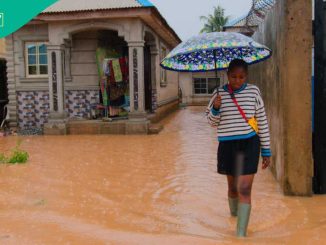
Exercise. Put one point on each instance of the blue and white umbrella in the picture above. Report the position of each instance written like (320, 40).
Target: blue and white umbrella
(214, 51)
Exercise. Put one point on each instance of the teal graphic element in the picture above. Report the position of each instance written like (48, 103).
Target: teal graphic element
(1, 20)
(15, 14)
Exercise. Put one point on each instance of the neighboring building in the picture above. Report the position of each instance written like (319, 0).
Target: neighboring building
(197, 87)
(240, 25)
(248, 24)
(52, 71)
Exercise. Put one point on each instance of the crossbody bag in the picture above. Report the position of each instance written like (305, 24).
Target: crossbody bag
(252, 121)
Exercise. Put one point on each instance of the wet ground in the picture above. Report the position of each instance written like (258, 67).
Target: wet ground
(158, 189)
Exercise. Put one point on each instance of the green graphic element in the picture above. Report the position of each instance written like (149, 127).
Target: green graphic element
(19, 12)
(1, 20)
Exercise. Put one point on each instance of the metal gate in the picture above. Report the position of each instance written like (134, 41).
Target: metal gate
(319, 115)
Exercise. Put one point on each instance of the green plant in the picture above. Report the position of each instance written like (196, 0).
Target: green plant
(17, 155)
(214, 22)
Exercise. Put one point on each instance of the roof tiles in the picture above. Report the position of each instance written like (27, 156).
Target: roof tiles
(88, 5)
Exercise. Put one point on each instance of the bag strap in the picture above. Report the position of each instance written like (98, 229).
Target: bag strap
(236, 103)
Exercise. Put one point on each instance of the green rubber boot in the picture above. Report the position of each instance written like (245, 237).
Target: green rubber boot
(243, 219)
(233, 204)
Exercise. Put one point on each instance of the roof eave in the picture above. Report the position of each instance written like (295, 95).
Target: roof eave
(158, 15)
(145, 13)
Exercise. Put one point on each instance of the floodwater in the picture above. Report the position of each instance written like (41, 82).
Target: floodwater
(158, 189)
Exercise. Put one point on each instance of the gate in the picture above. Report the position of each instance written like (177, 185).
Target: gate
(319, 115)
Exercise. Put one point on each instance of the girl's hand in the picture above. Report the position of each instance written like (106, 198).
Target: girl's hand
(217, 102)
(266, 162)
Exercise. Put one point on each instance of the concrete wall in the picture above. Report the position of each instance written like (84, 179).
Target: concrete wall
(168, 92)
(28, 33)
(83, 60)
(187, 86)
(16, 72)
(285, 82)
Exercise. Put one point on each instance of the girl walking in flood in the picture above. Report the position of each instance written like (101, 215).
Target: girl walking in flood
(237, 110)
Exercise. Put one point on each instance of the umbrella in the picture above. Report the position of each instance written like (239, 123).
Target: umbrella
(214, 51)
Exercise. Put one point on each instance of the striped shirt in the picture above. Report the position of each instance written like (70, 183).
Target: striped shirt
(230, 123)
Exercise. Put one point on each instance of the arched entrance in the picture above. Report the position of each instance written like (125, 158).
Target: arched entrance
(92, 86)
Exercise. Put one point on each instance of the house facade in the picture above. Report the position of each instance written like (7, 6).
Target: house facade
(197, 87)
(240, 25)
(53, 70)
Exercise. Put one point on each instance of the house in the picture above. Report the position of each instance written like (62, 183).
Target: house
(248, 24)
(54, 77)
(241, 25)
(197, 87)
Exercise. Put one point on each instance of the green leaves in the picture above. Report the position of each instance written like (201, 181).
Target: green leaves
(215, 22)
(17, 156)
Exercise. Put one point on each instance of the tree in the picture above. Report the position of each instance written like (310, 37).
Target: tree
(216, 21)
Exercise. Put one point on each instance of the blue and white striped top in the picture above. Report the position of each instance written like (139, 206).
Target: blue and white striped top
(230, 123)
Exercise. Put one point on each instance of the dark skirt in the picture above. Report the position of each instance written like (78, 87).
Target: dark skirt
(238, 157)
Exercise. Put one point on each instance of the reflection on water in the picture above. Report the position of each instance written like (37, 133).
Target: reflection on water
(157, 189)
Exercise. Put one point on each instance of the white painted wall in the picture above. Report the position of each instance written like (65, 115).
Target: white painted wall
(187, 87)
(28, 33)
(169, 92)
(83, 60)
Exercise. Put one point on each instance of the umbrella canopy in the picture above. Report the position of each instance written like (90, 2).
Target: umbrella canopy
(214, 51)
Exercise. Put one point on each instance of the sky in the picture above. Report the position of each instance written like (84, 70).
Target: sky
(183, 15)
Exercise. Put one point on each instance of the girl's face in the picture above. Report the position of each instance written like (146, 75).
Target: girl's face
(237, 76)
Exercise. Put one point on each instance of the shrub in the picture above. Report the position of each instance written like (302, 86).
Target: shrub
(17, 156)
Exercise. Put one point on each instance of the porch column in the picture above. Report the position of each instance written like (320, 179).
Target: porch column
(155, 63)
(56, 82)
(136, 79)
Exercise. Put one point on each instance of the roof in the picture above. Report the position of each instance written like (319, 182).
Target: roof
(87, 5)
(258, 5)
(78, 9)
(240, 21)
(262, 4)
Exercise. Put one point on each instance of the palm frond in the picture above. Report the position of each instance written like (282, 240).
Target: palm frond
(216, 21)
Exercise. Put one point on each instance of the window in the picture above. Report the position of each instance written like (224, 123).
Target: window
(205, 86)
(36, 59)
(163, 71)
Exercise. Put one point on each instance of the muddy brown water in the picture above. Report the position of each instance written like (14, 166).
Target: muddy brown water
(158, 189)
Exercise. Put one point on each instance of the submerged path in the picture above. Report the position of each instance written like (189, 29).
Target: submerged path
(157, 189)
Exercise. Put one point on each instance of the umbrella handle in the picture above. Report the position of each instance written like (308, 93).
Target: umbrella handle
(215, 61)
